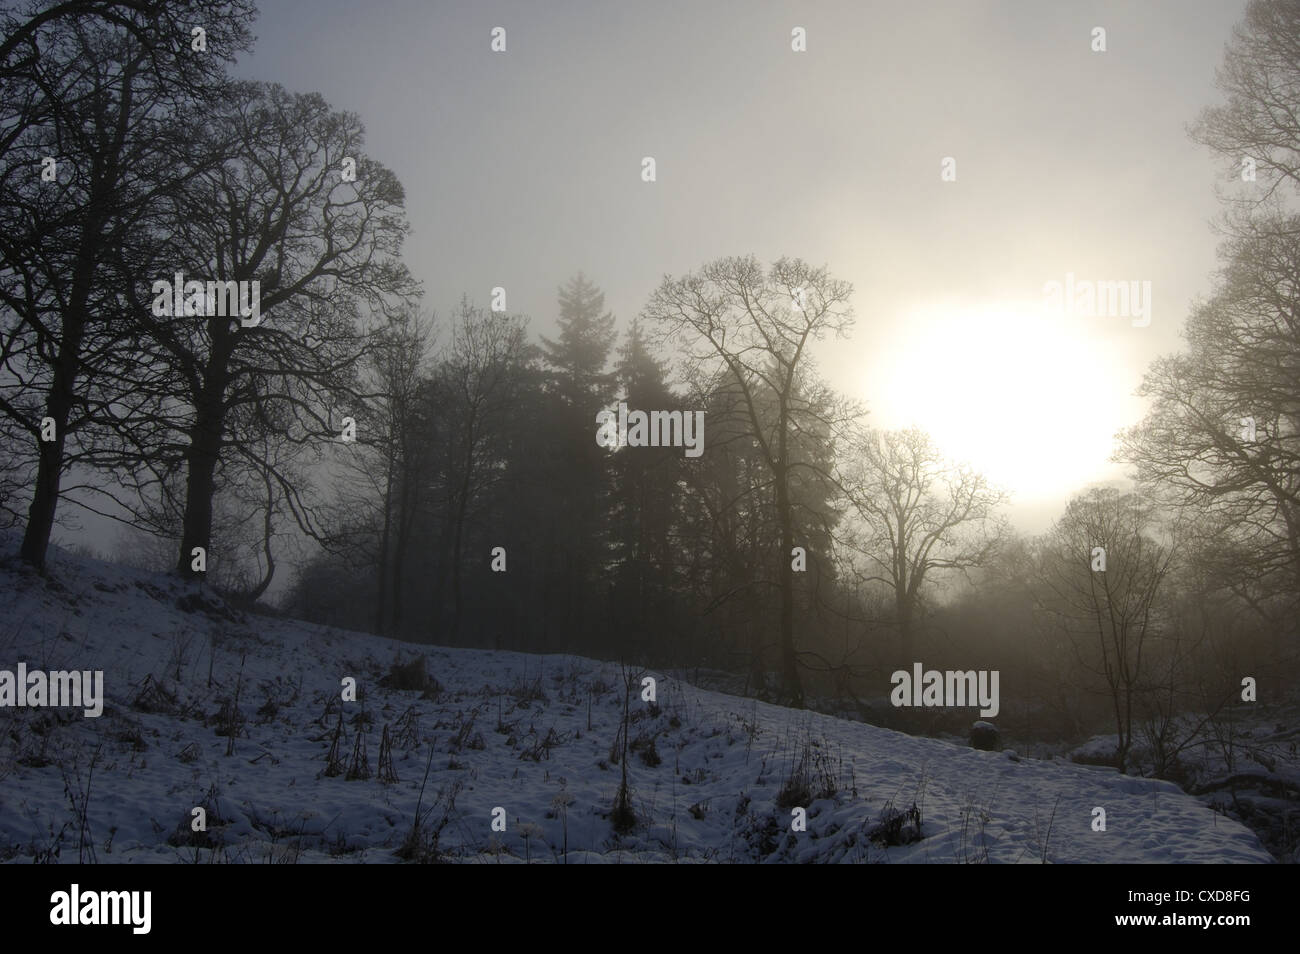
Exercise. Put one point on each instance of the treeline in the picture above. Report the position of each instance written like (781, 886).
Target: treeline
(476, 506)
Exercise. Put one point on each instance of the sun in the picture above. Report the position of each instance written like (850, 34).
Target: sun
(1030, 399)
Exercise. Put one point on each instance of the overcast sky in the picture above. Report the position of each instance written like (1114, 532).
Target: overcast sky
(523, 167)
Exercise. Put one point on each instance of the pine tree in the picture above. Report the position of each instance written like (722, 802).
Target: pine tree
(643, 505)
(580, 386)
(581, 354)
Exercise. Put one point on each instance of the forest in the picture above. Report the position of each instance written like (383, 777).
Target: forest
(356, 457)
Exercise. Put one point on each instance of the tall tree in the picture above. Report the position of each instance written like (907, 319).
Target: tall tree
(385, 468)
(479, 387)
(643, 505)
(95, 96)
(758, 326)
(282, 209)
(580, 386)
(1222, 437)
(1222, 440)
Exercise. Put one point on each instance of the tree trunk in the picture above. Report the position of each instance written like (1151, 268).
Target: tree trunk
(383, 552)
(906, 637)
(268, 530)
(462, 505)
(58, 406)
(789, 663)
(405, 514)
(104, 175)
(201, 482)
(49, 468)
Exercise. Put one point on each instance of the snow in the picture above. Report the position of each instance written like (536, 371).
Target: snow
(528, 734)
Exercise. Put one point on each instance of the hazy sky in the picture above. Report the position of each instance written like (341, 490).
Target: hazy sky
(523, 167)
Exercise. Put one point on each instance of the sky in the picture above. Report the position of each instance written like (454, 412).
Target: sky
(523, 167)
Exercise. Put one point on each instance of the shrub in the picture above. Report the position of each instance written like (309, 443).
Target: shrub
(411, 677)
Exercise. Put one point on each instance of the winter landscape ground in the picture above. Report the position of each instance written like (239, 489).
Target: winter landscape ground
(237, 714)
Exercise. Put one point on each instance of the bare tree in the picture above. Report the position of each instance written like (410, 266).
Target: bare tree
(100, 90)
(1222, 438)
(758, 325)
(281, 209)
(1102, 572)
(1260, 123)
(917, 514)
(394, 451)
(479, 382)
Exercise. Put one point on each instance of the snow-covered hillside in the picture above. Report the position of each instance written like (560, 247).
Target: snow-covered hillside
(712, 777)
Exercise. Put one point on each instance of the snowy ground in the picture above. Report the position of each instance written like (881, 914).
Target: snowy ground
(1243, 761)
(712, 777)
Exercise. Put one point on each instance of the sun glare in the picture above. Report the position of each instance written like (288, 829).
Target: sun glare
(1029, 398)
